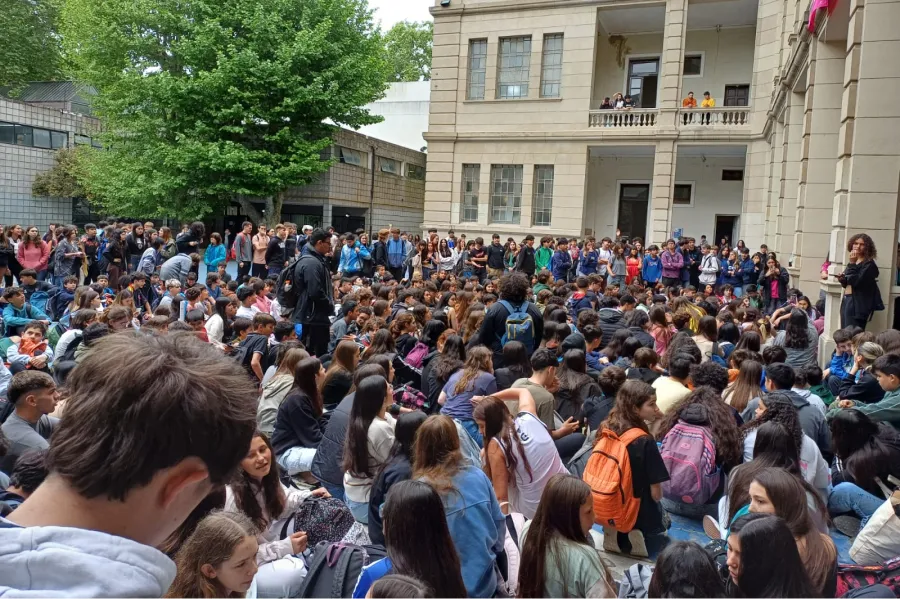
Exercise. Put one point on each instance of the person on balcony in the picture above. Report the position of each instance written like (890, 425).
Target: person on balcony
(618, 101)
(607, 105)
(708, 102)
(689, 102)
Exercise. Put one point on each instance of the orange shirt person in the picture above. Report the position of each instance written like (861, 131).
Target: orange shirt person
(690, 101)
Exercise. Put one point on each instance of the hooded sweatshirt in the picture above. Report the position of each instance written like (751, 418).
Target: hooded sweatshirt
(273, 394)
(812, 420)
(56, 561)
(886, 410)
(611, 320)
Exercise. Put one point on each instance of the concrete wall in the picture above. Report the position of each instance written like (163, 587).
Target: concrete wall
(19, 165)
(405, 111)
(712, 196)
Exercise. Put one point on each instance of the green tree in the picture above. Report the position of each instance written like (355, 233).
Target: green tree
(29, 44)
(62, 180)
(208, 101)
(408, 46)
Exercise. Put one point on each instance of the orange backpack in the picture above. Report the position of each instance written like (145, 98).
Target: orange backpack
(608, 472)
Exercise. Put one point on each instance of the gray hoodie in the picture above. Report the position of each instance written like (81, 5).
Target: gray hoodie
(55, 561)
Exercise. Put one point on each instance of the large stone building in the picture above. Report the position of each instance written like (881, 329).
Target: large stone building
(801, 151)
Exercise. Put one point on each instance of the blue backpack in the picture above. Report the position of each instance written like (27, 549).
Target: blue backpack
(519, 326)
(41, 301)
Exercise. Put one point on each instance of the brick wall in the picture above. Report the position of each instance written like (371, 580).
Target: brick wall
(19, 165)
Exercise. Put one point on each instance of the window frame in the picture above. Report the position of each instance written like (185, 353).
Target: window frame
(556, 69)
(417, 168)
(732, 179)
(735, 86)
(29, 132)
(395, 170)
(466, 198)
(523, 70)
(545, 198)
(692, 186)
(482, 57)
(702, 56)
(363, 162)
(511, 199)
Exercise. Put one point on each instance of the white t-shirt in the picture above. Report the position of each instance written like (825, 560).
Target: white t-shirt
(813, 466)
(540, 451)
(380, 441)
(248, 313)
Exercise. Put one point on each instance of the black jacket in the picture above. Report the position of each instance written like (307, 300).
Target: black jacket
(506, 377)
(315, 301)
(765, 284)
(379, 254)
(296, 424)
(134, 245)
(276, 253)
(494, 327)
(525, 260)
(495, 256)
(611, 320)
(643, 336)
(397, 470)
(326, 465)
(431, 385)
(867, 390)
(863, 278)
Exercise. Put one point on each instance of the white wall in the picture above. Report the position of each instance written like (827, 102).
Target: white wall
(405, 111)
(712, 196)
(727, 60)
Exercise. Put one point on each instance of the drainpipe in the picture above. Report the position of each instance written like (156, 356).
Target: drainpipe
(372, 198)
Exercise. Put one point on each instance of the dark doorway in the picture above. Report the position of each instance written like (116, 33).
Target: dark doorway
(634, 202)
(726, 225)
(345, 223)
(643, 79)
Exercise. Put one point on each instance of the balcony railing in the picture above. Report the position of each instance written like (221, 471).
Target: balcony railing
(702, 118)
(623, 119)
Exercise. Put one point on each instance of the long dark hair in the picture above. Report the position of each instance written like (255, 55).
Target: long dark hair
(245, 488)
(516, 360)
(746, 387)
(404, 436)
(382, 343)
(722, 426)
(857, 442)
(305, 380)
(499, 425)
(614, 347)
(418, 539)
(451, 358)
(432, 332)
(770, 562)
(796, 335)
(222, 303)
(557, 521)
(624, 415)
(750, 340)
(367, 403)
(684, 569)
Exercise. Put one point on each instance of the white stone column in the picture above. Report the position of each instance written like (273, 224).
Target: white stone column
(661, 192)
(790, 175)
(671, 65)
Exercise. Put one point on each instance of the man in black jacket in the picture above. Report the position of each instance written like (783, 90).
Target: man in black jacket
(513, 289)
(525, 260)
(495, 258)
(315, 299)
(134, 246)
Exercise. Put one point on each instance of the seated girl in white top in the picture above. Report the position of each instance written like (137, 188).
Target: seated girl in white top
(521, 456)
(259, 494)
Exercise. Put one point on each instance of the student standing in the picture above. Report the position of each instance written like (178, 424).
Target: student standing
(315, 298)
(526, 261)
(243, 250)
(672, 263)
(860, 283)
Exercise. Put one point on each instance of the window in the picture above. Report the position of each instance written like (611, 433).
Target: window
(349, 156)
(515, 59)
(477, 68)
(732, 174)
(387, 165)
(82, 140)
(551, 71)
(737, 95)
(58, 140)
(683, 195)
(24, 136)
(542, 202)
(471, 176)
(7, 133)
(693, 65)
(506, 193)
(41, 138)
(416, 172)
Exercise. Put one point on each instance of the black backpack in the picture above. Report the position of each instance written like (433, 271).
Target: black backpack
(336, 567)
(285, 292)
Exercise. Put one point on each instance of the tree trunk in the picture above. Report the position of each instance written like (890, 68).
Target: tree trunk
(273, 208)
(248, 209)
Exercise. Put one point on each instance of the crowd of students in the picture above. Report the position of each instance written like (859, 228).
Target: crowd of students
(482, 419)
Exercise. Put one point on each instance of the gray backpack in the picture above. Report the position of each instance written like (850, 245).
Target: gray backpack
(635, 582)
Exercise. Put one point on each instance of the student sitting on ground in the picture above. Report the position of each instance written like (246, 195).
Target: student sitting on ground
(33, 396)
(19, 313)
(27, 475)
(119, 486)
(30, 351)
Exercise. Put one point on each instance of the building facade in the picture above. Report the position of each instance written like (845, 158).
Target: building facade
(404, 109)
(800, 151)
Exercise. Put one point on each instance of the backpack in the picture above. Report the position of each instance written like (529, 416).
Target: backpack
(608, 473)
(578, 462)
(323, 519)
(851, 577)
(417, 354)
(285, 293)
(689, 453)
(635, 582)
(336, 567)
(411, 398)
(715, 358)
(519, 326)
(40, 300)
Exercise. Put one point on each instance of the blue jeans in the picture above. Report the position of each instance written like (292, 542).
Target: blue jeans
(336, 491)
(297, 459)
(848, 498)
(472, 428)
(617, 279)
(359, 510)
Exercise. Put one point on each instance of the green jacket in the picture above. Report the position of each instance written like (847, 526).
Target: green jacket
(542, 258)
(886, 410)
(824, 392)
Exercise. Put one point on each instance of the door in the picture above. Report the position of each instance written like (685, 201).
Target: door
(346, 223)
(726, 225)
(634, 203)
(643, 79)
(737, 95)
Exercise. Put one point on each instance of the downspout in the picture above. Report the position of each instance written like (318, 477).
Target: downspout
(372, 198)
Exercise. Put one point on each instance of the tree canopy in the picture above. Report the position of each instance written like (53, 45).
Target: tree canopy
(29, 44)
(408, 47)
(207, 101)
(61, 180)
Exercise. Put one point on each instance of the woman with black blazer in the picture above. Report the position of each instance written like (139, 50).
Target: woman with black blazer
(772, 283)
(860, 283)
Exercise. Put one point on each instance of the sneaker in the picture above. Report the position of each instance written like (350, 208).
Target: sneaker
(847, 525)
(711, 528)
(611, 540)
(638, 546)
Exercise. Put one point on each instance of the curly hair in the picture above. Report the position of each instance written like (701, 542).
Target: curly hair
(869, 251)
(779, 408)
(724, 429)
(514, 288)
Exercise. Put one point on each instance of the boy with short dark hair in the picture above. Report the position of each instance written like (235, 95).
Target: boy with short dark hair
(17, 313)
(29, 283)
(224, 277)
(33, 396)
(813, 375)
(255, 347)
(841, 361)
(30, 351)
(887, 370)
(141, 445)
(27, 475)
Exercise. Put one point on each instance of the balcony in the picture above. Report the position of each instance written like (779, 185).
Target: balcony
(714, 118)
(635, 118)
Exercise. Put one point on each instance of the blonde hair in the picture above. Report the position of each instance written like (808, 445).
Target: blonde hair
(870, 351)
(212, 542)
(479, 360)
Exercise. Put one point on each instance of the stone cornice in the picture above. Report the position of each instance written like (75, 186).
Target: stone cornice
(514, 5)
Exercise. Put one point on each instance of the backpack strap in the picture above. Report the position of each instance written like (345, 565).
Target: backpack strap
(340, 571)
(631, 435)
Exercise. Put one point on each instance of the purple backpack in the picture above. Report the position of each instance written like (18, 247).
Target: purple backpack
(417, 355)
(411, 398)
(689, 454)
